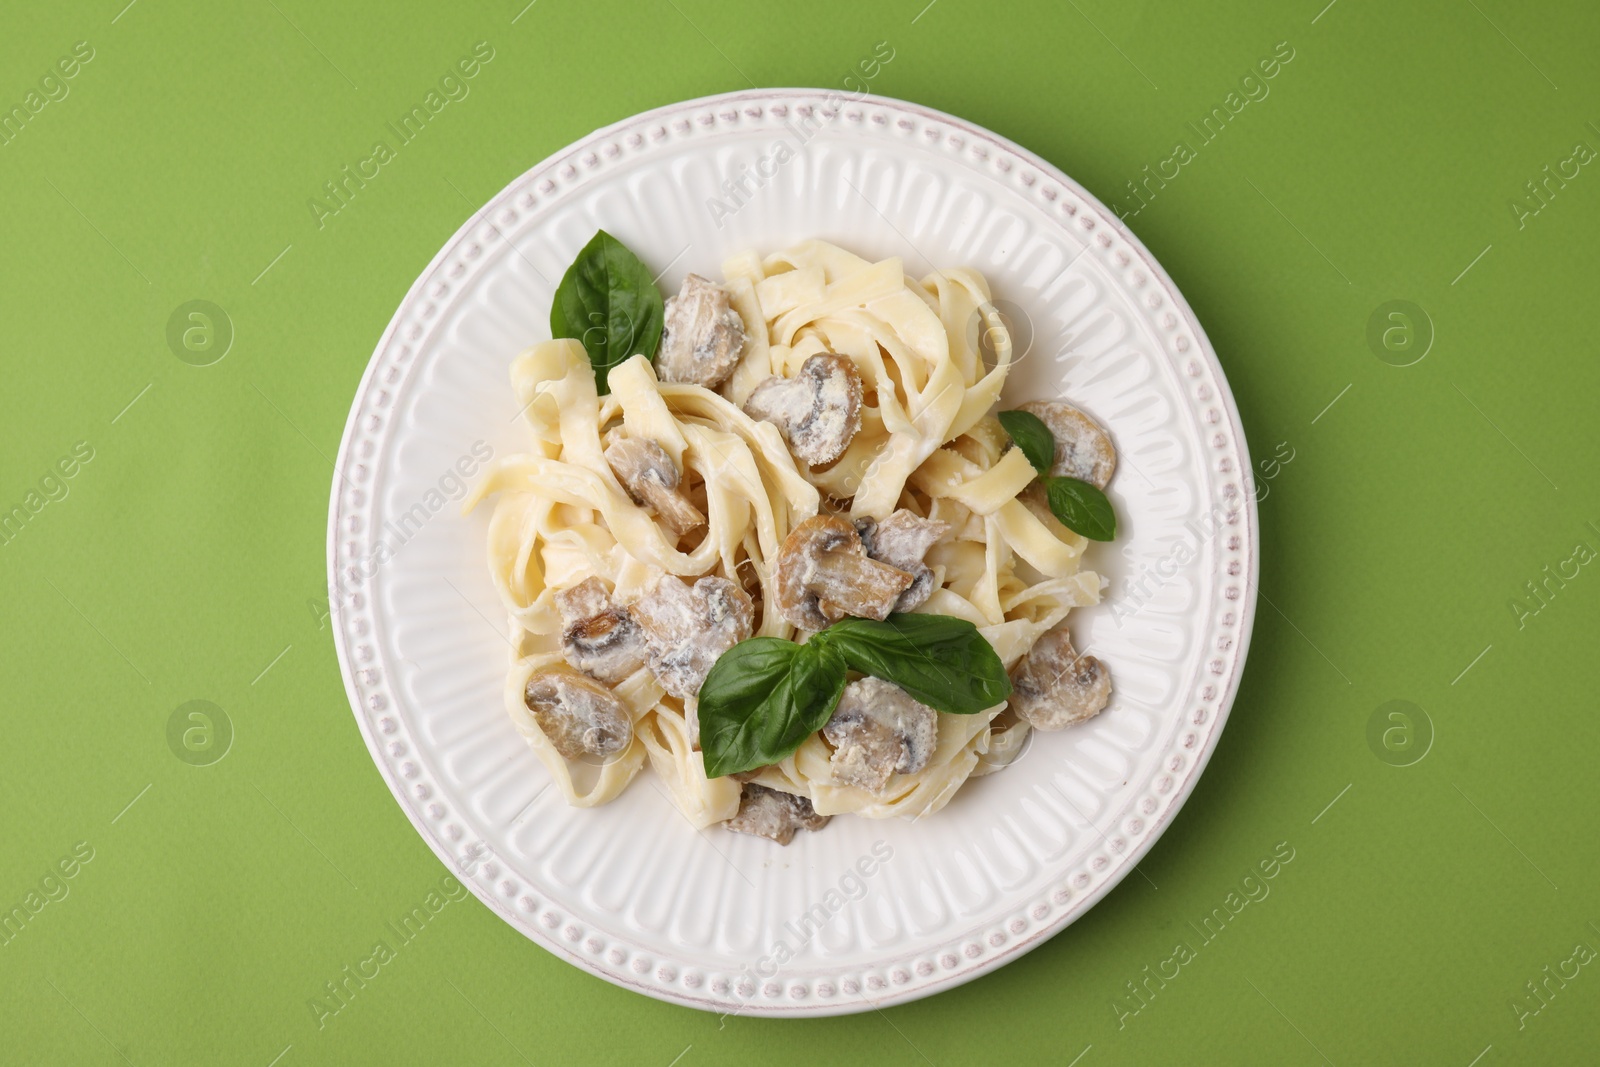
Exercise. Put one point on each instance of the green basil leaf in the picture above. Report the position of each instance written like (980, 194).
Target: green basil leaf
(1082, 508)
(608, 301)
(762, 698)
(942, 661)
(1032, 436)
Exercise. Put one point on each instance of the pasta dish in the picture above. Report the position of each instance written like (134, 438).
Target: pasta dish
(772, 538)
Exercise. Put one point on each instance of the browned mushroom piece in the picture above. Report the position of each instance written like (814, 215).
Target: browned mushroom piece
(824, 574)
(818, 411)
(597, 637)
(582, 718)
(685, 629)
(1054, 687)
(902, 540)
(774, 814)
(702, 336)
(1083, 450)
(878, 730)
(652, 480)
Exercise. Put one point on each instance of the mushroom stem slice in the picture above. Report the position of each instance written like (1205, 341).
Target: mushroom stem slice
(686, 630)
(1053, 687)
(879, 730)
(818, 411)
(902, 540)
(652, 480)
(824, 574)
(1083, 450)
(702, 336)
(773, 814)
(582, 719)
(597, 637)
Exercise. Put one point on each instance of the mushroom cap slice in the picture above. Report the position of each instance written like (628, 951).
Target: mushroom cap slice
(702, 336)
(878, 730)
(818, 411)
(582, 718)
(1053, 687)
(824, 574)
(686, 630)
(1083, 449)
(652, 480)
(902, 540)
(774, 814)
(597, 637)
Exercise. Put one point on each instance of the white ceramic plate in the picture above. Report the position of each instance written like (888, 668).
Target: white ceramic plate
(867, 912)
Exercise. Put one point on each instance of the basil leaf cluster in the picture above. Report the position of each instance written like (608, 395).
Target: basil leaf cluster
(1081, 506)
(765, 695)
(608, 301)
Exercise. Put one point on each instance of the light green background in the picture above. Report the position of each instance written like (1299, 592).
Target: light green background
(187, 555)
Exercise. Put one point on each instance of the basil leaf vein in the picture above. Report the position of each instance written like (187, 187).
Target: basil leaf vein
(1032, 436)
(608, 301)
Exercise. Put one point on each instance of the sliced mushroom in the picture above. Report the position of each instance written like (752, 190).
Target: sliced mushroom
(824, 574)
(702, 336)
(597, 637)
(818, 411)
(878, 730)
(685, 630)
(582, 718)
(1054, 687)
(1083, 450)
(902, 540)
(652, 480)
(774, 814)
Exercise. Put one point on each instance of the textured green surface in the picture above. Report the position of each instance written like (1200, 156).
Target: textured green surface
(187, 555)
